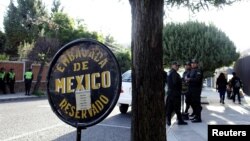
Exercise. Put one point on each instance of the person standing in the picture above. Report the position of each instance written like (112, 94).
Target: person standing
(165, 74)
(185, 90)
(11, 80)
(221, 86)
(173, 102)
(195, 81)
(236, 85)
(28, 77)
(3, 80)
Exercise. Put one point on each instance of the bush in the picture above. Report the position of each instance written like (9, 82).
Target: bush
(4, 57)
(39, 93)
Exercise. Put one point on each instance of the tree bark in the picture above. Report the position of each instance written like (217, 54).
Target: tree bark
(148, 111)
(39, 78)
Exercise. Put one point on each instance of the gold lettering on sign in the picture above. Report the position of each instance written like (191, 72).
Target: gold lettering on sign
(96, 107)
(70, 56)
(92, 81)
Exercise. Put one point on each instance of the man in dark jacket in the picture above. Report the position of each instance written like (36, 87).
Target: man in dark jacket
(3, 80)
(236, 84)
(173, 102)
(185, 90)
(195, 81)
(28, 77)
(11, 79)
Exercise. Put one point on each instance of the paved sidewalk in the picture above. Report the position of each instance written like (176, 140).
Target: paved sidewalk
(17, 96)
(213, 113)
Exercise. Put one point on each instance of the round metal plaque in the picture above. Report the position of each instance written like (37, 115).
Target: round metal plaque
(83, 83)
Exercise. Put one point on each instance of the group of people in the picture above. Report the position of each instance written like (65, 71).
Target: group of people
(233, 87)
(9, 79)
(190, 85)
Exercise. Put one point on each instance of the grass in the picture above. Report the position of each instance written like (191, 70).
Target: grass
(39, 93)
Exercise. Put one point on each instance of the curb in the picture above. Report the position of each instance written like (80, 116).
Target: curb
(11, 99)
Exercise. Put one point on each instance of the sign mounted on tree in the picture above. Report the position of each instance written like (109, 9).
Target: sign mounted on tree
(84, 82)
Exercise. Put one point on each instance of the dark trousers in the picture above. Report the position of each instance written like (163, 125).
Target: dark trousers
(222, 95)
(173, 104)
(28, 83)
(196, 101)
(188, 101)
(2, 86)
(11, 86)
(236, 92)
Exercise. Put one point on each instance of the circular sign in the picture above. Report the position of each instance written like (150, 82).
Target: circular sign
(83, 83)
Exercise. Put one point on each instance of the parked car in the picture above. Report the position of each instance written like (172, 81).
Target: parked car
(125, 99)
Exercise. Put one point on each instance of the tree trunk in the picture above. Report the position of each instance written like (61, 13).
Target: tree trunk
(39, 78)
(148, 111)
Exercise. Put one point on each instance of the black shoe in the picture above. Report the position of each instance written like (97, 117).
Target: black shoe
(182, 123)
(185, 113)
(191, 115)
(192, 118)
(185, 116)
(196, 120)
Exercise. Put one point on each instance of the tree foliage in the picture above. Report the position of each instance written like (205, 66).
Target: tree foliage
(208, 44)
(124, 60)
(44, 49)
(28, 20)
(2, 42)
(4, 57)
(123, 55)
(13, 29)
(19, 23)
(197, 5)
(24, 49)
(61, 27)
(65, 29)
(56, 6)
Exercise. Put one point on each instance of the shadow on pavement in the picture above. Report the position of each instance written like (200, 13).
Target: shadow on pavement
(111, 129)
